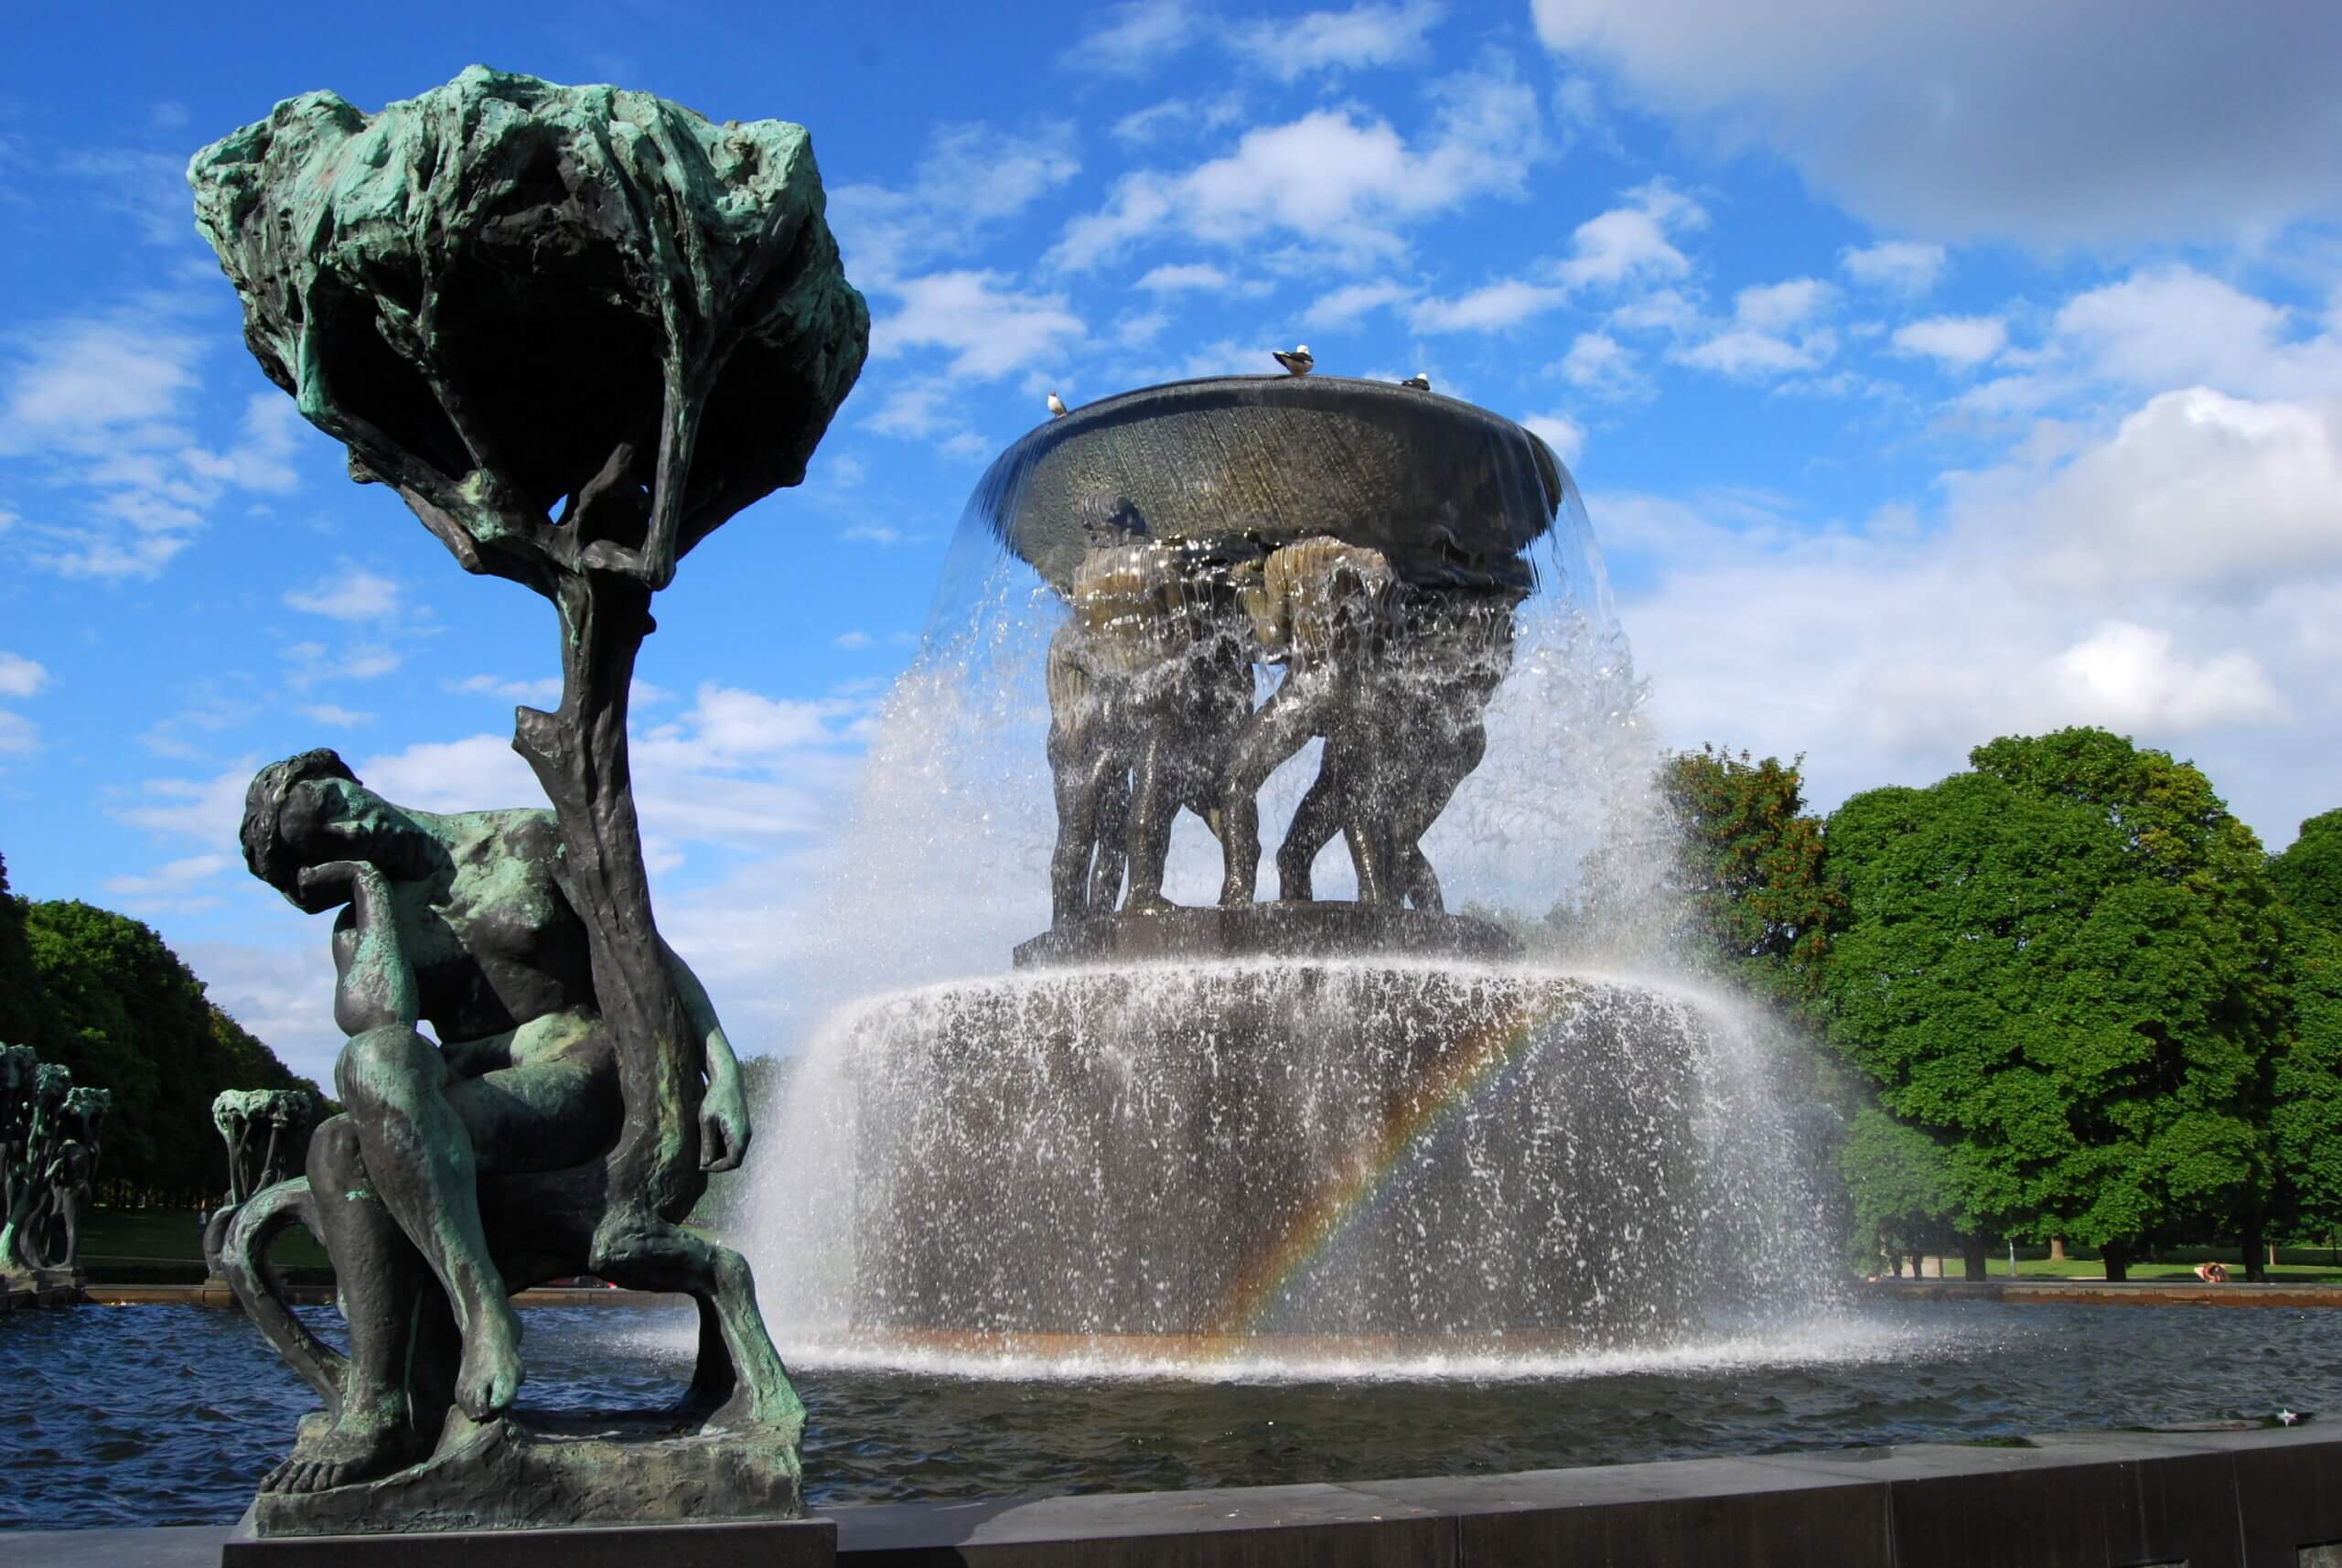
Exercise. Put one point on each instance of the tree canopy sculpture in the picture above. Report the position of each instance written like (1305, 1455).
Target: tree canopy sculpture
(576, 329)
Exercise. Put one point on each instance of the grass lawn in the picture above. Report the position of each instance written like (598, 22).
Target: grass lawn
(2302, 1266)
(172, 1233)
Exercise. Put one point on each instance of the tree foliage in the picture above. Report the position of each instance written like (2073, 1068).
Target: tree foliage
(2064, 967)
(1750, 867)
(101, 994)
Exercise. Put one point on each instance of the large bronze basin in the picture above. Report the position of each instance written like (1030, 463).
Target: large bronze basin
(1451, 493)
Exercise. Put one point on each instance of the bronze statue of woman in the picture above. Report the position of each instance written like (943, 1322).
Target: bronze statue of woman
(458, 921)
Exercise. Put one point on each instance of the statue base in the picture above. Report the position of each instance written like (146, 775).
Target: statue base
(41, 1287)
(1312, 930)
(554, 1470)
(767, 1544)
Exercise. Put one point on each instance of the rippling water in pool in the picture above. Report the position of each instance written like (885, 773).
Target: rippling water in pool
(170, 1415)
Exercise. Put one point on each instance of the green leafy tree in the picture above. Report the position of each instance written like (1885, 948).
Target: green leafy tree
(2309, 874)
(1904, 1199)
(2064, 967)
(2306, 1108)
(1750, 868)
(127, 1015)
(23, 1006)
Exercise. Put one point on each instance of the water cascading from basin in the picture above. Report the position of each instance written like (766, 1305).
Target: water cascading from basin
(1229, 1158)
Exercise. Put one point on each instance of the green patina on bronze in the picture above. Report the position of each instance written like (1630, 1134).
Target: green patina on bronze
(50, 1130)
(576, 329)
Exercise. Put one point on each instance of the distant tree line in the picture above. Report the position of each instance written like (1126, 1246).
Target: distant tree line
(100, 992)
(2062, 997)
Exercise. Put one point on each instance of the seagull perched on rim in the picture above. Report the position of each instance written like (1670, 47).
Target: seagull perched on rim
(1419, 380)
(1299, 361)
(2286, 1418)
(1056, 406)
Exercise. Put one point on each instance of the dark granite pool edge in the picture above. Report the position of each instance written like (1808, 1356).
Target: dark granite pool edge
(2250, 1499)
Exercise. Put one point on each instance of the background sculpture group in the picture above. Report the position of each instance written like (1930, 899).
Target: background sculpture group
(264, 1130)
(49, 1142)
(1151, 684)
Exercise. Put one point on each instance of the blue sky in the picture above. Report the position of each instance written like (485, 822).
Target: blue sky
(1931, 373)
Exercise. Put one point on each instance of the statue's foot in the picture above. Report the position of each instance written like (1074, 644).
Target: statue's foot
(1233, 897)
(356, 1449)
(489, 1375)
(1150, 904)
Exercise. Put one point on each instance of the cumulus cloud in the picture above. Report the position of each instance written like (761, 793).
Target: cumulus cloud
(1565, 435)
(2195, 490)
(2047, 124)
(2172, 325)
(1342, 180)
(1310, 45)
(1602, 365)
(1132, 39)
(972, 178)
(1633, 244)
(20, 676)
(988, 328)
(1900, 267)
(349, 594)
(1182, 277)
(104, 406)
(1489, 309)
(1956, 342)
(1772, 331)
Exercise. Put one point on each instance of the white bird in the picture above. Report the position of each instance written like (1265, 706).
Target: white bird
(1419, 380)
(1056, 406)
(1298, 361)
(2286, 1418)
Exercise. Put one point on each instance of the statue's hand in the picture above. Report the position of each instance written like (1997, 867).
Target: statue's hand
(723, 1129)
(336, 883)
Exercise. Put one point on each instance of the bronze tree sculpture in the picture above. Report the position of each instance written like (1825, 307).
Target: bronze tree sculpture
(575, 329)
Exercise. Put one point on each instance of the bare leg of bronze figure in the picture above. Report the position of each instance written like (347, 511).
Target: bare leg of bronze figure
(419, 1156)
(1075, 777)
(1154, 806)
(385, 1280)
(1279, 728)
(1113, 827)
(1316, 822)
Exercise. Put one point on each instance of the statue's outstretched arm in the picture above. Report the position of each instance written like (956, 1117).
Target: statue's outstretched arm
(723, 1125)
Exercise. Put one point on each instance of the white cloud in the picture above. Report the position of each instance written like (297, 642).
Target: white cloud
(2173, 326)
(169, 888)
(852, 639)
(334, 716)
(1344, 306)
(988, 329)
(19, 676)
(1142, 126)
(541, 694)
(1132, 39)
(1182, 277)
(18, 734)
(1957, 342)
(479, 772)
(1489, 309)
(1631, 244)
(1565, 435)
(349, 594)
(972, 177)
(1340, 181)
(2127, 677)
(1602, 365)
(2048, 124)
(1320, 41)
(2195, 490)
(101, 405)
(1771, 332)
(1901, 266)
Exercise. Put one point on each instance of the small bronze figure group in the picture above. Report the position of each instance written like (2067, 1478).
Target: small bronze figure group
(51, 1135)
(1151, 684)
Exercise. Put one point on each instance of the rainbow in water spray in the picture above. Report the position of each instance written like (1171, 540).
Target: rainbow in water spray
(1451, 1083)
